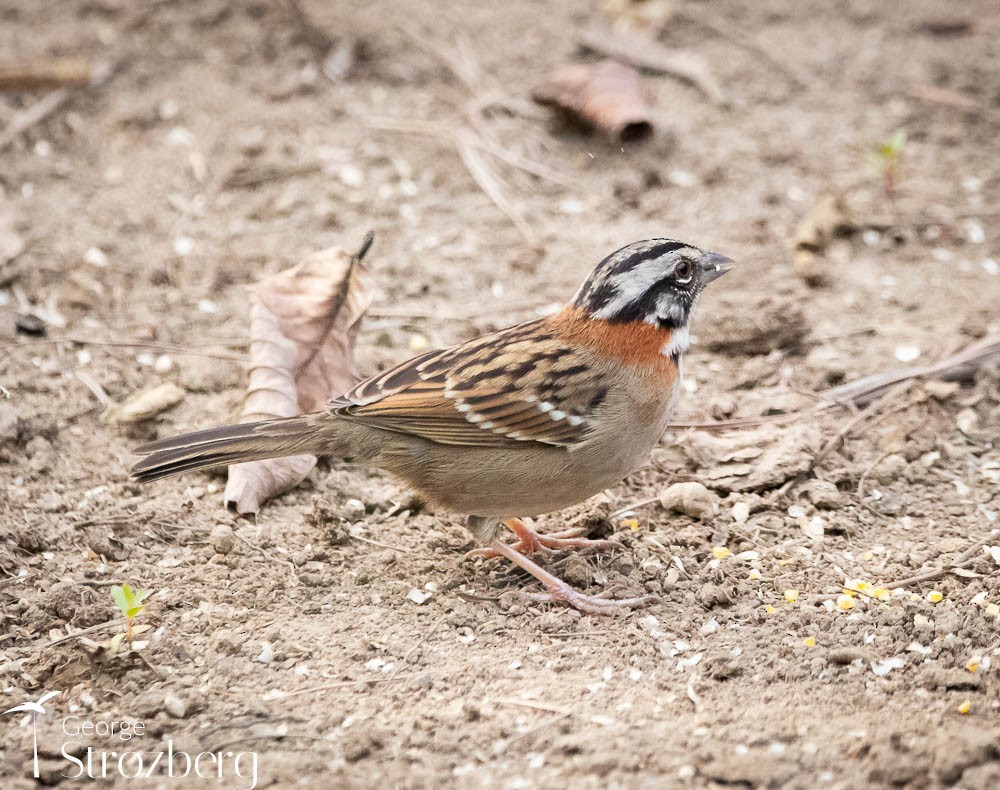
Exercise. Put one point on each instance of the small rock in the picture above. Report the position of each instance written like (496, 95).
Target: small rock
(222, 538)
(41, 455)
(889, 468)
(712, 595)
(578, 571)
(692, 499)
(847, 655)
(174, 705)
(11, 426)
(967, 421)
(418, 596)
(824, 494)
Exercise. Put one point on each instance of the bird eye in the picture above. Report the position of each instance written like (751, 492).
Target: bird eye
(683, 271)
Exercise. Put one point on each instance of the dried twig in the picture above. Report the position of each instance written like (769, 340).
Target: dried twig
(33, 115)
(83, 632)
(47, 105)
(861, 417)
(490, 183)
(533, 704)
(934, 94)
(475, 135)
(646, 53)
(730, 33)
(30, 75)
(967, 557)
(960, 366)
(366, 682)
(161, 347)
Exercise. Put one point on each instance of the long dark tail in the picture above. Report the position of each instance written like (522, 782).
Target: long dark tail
(251, 441)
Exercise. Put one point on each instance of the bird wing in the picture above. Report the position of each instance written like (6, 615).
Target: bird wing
(523, 384)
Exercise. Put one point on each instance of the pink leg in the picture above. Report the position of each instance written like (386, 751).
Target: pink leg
(560, 591)
(531, 542)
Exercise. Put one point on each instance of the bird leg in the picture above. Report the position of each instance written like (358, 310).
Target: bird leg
(531, 542)
(559, 591)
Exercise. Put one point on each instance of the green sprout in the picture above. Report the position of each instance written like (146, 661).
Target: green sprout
(130, 604)
(886, 158)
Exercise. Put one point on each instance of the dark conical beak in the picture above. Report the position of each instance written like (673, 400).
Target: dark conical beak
(714, 265)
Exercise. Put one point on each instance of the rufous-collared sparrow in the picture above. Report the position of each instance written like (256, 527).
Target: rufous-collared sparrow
(523, 421)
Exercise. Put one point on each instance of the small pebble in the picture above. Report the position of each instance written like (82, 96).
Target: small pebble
(222, 538)
(418, 596)
(95, 256)
(907, 353)
(692, 499)
(174, 705)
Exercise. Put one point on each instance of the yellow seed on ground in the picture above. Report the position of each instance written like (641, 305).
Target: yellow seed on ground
(809, 641)
(720, 552)
(881, 594)
(934, 596)
(845, 602)
(973, 664)
(992, 609)
(769, 609)
(631, 523)
(965, 707)
(868, 556)
(755, 575)
(791, 596)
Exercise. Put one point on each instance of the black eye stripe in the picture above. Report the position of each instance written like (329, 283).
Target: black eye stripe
(627, 262)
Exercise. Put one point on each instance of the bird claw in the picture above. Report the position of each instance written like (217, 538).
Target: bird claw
(591, 604)
(531, 542)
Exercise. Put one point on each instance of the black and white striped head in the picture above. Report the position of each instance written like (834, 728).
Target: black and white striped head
(655, 281)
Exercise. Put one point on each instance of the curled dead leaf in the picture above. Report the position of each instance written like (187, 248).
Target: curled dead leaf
(303, 323)
(606, 95)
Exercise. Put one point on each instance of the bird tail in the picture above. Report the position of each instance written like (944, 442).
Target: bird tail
(251, 441)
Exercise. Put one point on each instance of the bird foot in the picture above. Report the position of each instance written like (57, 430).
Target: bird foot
(591, 604)
(531, 542)
(558, 591)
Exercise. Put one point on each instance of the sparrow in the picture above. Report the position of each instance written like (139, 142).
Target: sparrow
(520, 422)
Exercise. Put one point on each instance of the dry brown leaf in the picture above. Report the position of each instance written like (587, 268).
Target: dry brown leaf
(303, 322)
(606, 95)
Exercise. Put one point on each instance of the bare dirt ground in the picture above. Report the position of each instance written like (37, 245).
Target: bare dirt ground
(216, 153)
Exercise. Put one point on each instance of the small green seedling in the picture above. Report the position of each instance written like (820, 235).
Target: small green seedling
(130, 604)
(886, 158)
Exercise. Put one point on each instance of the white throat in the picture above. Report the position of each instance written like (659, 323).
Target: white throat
(680, 339)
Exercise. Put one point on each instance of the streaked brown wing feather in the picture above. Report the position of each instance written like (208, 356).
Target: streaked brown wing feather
(519, 385)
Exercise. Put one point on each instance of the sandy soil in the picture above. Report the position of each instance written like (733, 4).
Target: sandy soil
(216, 153)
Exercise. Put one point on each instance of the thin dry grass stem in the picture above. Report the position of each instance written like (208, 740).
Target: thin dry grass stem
(491, 184)
(967, 557)
(731, 33)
